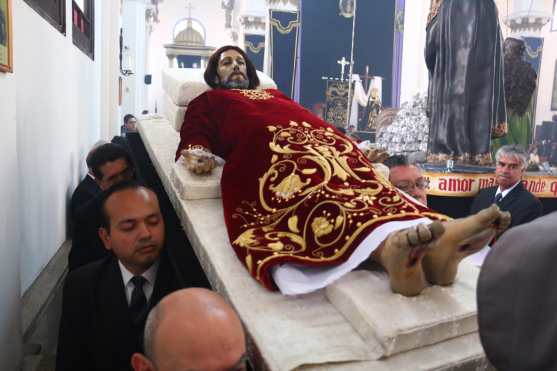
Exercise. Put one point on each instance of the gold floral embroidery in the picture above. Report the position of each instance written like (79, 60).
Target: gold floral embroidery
(255, 94)
(314, 192)
(289, 186)
(321, 226)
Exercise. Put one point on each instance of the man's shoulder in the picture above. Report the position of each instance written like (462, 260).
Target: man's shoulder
(90, 274)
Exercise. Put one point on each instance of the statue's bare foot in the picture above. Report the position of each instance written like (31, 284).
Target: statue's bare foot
(462, 237)
(401, 255)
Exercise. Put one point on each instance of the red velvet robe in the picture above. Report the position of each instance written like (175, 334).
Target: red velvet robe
(294, 189)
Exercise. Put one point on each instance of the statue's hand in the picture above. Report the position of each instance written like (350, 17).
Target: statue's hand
(198, 163)
(376, 155)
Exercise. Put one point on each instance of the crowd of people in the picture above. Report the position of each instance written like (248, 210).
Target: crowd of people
(124, 306)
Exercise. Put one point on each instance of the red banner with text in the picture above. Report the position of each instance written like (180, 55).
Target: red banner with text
(467, 185)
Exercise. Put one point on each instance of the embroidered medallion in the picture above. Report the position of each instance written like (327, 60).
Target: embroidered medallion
(256, 94)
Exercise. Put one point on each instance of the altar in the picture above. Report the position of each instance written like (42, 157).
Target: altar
(324, 330)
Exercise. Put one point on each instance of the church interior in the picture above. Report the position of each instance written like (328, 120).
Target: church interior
(388, 76)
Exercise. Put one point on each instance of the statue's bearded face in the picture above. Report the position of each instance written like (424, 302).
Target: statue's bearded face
(231, 71)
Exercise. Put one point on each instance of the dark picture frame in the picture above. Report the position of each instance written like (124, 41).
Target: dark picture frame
(6, 36)
(554, 90)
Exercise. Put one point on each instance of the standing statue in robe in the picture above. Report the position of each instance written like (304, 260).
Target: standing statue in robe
(302, 204)
(520, 84)
(466, 100)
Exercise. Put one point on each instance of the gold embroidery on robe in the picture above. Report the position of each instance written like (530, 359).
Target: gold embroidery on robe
(255, 94)
(313, 193)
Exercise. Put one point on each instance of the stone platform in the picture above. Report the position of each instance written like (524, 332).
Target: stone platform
(307, 331)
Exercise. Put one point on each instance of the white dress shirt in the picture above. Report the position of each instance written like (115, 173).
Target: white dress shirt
(150, 275)
(506, 191)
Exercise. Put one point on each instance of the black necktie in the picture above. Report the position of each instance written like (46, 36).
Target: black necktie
(138, 300)
(498, 197)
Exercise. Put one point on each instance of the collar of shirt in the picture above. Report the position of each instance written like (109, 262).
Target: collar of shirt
(150, 275)
(506, 191)
(91, 176)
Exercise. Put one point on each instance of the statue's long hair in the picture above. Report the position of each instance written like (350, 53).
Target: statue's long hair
(520, 77)
(210, 75)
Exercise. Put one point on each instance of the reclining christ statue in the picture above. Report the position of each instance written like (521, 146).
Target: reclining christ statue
(302, 204)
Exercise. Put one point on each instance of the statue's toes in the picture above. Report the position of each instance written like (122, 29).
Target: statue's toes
(490, 215)
(424, 234)
(504, 221)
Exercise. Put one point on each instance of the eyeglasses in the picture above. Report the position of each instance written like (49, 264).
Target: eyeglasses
(406, 186)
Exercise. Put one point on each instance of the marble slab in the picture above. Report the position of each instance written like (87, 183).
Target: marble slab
(191, 186)
(398, 323)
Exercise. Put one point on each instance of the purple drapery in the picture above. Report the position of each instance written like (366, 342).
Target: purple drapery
(397, 51)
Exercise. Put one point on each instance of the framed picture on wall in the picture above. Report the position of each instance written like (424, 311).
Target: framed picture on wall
(554, 91)
(6, 47)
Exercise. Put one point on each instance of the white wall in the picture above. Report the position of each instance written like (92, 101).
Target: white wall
(546, 78)
(208, 12)
(58, 119)
(414, 77)
(10, 309)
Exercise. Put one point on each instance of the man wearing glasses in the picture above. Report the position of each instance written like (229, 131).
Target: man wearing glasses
(407, 177)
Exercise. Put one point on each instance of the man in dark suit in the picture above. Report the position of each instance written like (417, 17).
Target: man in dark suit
(510, 195)
(105, 303)
(517, 300)
(110, 164)
(87, 189)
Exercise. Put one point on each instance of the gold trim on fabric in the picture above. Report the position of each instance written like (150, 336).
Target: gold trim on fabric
(275, 23)
(317, 186)
(254, 49)
(255, 94)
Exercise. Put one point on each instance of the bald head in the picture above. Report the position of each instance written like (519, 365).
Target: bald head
(192, 329)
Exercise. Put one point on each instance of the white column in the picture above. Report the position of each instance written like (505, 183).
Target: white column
(414, 77)
(110, 68)
(135, 38)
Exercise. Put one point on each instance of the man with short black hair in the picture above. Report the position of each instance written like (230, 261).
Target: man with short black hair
(509, 193)
(87, 189)
(110, 164)
(130, 125)
(106, 302)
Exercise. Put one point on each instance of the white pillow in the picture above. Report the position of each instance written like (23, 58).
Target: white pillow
(184, 84)
(175, 114)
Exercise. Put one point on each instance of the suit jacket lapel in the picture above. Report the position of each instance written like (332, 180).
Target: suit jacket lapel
(165, 281)
(113, 308)
(512, 196)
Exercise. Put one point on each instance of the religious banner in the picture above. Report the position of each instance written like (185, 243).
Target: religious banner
(283, 40)
(255, 49)
(336, 102)
(326, 37)
(467, 185)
